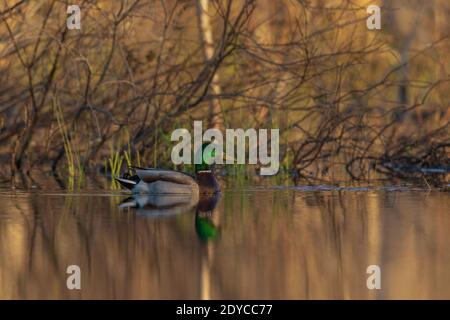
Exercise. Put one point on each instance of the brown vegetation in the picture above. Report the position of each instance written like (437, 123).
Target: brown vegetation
(345, 98)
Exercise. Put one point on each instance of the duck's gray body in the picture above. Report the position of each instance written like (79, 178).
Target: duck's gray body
(161, 181)
(163, 187)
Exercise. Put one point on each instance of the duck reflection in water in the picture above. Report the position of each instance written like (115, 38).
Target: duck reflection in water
(207, 220)
(206, 217)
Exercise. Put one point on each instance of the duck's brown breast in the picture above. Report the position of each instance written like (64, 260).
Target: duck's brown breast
(207, 182)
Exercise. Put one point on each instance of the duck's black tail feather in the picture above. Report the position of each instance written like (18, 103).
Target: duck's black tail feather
(128, 203)
(127, 183)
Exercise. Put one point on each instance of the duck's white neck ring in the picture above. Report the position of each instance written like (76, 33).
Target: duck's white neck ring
(204, 171)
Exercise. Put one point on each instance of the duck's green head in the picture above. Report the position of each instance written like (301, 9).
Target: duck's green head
(208, 154)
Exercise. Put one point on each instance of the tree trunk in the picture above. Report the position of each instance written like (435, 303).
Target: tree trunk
(206, 39)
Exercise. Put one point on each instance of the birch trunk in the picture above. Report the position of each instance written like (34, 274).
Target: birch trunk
(206, 38)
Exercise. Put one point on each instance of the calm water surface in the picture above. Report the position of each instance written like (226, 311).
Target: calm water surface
(296, 243)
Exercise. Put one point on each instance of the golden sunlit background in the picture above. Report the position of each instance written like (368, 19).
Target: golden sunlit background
(349, 102)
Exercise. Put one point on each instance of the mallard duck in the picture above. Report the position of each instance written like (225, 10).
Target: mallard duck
(163, 181)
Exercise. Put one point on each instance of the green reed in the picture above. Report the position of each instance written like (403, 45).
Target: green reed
(74, 165)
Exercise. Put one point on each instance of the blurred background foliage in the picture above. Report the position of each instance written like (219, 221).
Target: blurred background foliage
(349, 102)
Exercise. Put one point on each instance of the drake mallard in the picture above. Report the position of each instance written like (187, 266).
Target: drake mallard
(163, 181)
